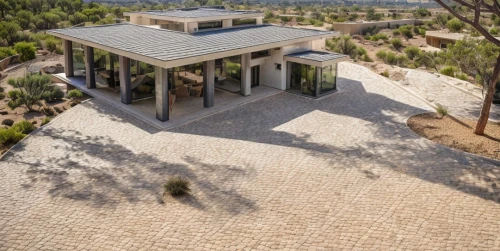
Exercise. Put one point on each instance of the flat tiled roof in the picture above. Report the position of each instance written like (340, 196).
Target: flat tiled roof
(318, 56)
(166, 45)
(195, 13)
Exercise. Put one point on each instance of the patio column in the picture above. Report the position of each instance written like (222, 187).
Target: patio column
(317, 88)
(208, 83)
(125, 83)
(89, 67)
(246, 74)
(161, 88)
(111, 71)
(68, 58)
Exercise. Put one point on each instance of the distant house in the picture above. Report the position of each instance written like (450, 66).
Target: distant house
(441, 39)
(187, 53)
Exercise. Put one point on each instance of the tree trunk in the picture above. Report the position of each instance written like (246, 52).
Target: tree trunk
(485, 111)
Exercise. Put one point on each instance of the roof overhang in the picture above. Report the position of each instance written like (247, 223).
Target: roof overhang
(194, 19)
(188, 60)
(316, 58)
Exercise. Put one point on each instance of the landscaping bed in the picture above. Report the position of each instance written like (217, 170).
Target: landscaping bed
(458, 133)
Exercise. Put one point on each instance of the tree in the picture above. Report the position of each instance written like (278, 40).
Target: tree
(30, 91)
(455, 25)
(24, 18)
(480, 7)
(9, 31)
(371, 15)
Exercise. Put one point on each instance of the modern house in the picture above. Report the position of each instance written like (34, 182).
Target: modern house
(194, 53)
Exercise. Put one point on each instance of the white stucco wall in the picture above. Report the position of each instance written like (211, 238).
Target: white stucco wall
(227, 23)
(192, 26)
(269, 75)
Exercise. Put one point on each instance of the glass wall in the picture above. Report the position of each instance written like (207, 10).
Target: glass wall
(78, 60)
(311, 80)
(328, 81)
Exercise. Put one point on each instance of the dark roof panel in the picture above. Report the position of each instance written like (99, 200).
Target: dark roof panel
(169, 45)
(319, 56)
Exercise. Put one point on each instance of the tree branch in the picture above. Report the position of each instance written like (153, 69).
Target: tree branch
(474, 23)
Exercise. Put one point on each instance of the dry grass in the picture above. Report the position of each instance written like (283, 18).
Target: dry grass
(458, 133)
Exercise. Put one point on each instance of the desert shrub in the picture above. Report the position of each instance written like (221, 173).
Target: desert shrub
(9, 136)
(53, 94)
(441, 110)
(177, 186)
(382, 54)
(379, 36)
(46, 120)
(396, 42)
(396, 32)
(401, 60)
(412, 51)
(2, 95)
(361, 50)
(51, 44)
(27, 51)
(415, 30)
(494, 31)
(30, 91)
(47, 110)
(366, 58)
(462, 76)
(75, 94)
(300, 19)
(455, 25)
(344, 45)
(449, 71)
(385, 73)
(24, 127)
(421, 32)
(14, 94)
(6, 52)
(390, 58)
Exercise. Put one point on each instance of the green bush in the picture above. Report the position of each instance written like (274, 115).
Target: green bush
(396, 32)
(46, 120)
(406, 31)
(9, 136)
(2, 95)
(366, 58)
(53, 94)
(14, 94)
(421, 32)
(51, 44)
(396, 42)
(382, 54)
(462, 76)
(441, 110)
(27, 51)
(494, 31)
(30, 91)
(6, 52)
(390, 58)
(75, 94)
(385, 73)
(449, 71)
(455, 25)
(300, 19)
(24, 127)
(177, 186)
(401, 60)
(412, 51)
(379, 36)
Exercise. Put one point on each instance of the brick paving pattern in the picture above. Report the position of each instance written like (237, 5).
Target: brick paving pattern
(284, 173)
(431, 88)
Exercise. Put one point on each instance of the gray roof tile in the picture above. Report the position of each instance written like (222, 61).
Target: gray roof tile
(169, 45)
(319, 56)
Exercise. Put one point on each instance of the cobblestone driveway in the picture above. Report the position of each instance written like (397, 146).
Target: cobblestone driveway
(283, 173)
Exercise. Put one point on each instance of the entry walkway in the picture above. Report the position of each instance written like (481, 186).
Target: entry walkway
(286, 173)
(185, 109)
(466, 103)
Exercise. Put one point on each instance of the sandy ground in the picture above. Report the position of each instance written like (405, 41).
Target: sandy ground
(457, 133)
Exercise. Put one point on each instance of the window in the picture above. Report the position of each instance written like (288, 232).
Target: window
(260, 54)
(328, 79)
(244, 21)
(209, 25)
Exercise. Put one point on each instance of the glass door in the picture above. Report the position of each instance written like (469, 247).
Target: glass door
(255, 75)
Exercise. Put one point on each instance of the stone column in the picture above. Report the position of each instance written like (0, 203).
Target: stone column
(125, 82)
(161, 89)
(68, 58)
(259, 20)
(246, 74)
(288, 69)
(89, 67)
(208, 83)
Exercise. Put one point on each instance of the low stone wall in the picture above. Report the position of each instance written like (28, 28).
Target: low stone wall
(4, 64)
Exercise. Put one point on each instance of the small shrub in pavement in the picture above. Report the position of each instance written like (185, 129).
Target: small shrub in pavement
(177, 186)
(441, 110)
(23, 127)
(385, 73)
(75, 94)
(449, 71)
(46, 120)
